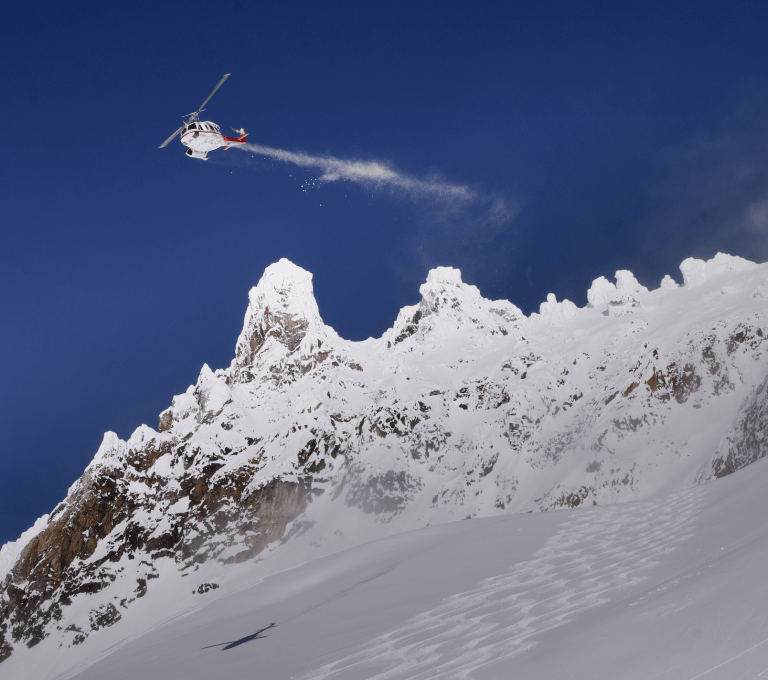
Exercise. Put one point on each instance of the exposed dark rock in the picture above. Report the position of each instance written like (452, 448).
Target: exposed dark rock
(104, 616)
(284, 328)
(43, 579)
(747, 441)
(411, 328)
(205, 588)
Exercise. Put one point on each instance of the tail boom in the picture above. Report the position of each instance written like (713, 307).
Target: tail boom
(235, 140)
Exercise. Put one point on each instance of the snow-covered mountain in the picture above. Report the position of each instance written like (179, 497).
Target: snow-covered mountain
(309, 443)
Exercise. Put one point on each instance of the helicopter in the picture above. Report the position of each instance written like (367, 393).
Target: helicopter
(200, 137)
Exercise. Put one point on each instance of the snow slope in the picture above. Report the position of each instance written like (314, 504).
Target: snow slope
(670, 587)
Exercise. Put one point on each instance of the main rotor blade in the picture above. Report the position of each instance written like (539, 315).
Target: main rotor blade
(221, 82)
(165, 143)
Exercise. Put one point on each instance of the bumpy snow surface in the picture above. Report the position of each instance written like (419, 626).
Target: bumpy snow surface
(670, 587)
(244, 508)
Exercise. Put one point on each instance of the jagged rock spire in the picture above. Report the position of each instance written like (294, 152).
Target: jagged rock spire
(449, 304)
(282, 306)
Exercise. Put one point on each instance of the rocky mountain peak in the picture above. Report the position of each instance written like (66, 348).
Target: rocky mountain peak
(445, 281)
(281, 307)
(444, 289)
(449, 305)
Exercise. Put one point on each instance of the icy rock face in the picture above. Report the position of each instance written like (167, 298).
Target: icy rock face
(621, 298)
(282, 307)
(464, 408)
(696, 271)
(600, 292)
(554, 313)
(10, 552)
(449, 305)
(626, 281)
(668, 283)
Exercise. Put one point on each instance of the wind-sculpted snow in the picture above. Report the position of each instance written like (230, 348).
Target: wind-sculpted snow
(308, 443)
(696, 271)
(593, 558)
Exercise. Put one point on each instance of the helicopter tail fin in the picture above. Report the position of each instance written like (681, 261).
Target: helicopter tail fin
(235, 140)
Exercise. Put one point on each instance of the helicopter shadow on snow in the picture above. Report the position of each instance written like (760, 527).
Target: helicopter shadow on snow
(248, 638)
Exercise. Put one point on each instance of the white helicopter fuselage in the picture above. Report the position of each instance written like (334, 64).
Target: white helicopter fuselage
(200, 137)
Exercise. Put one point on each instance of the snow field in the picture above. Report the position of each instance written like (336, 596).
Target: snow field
(669, 587)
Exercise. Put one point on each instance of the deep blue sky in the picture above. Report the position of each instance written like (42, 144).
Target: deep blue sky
(623, 137)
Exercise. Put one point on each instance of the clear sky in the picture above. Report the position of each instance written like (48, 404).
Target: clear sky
(587, 137)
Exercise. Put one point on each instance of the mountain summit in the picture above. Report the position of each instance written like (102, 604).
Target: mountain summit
(308, 443)
(281, 307)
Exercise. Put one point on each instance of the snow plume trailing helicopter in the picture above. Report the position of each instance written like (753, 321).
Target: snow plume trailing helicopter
(200, 137)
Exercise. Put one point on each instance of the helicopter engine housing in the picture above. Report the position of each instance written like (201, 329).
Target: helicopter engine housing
(197, 154)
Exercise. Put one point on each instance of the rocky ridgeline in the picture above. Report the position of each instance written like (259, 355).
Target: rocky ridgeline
(464, 408)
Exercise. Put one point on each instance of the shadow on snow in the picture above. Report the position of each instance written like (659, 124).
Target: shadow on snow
(256, 636)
